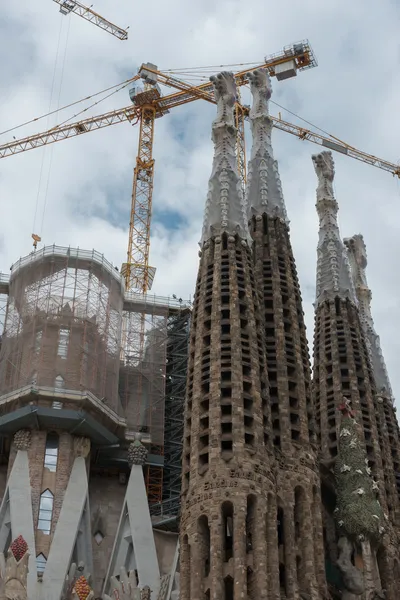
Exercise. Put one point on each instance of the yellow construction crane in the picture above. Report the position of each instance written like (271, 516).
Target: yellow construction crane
(72, 6)
(148, 105)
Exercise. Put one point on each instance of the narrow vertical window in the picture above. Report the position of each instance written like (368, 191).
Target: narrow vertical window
(51, 452)
(40, 563)
(45, 511)
(59, 382)
(38, 342)
(63, 340)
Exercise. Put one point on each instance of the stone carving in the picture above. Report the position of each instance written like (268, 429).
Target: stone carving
(137, 453)
(81, 446)
(225, 209)
(357, 254)
(164, 587)
(76, 573)
(352, 577)
(22, 439)
(325, 170)
(82, 590)
(124, 588)
(333, 268)
(358, 513)
(264, 188)
(14, 571)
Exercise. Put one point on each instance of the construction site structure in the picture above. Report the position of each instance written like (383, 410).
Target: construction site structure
(73, 6)
(72, 417)
(289, 487)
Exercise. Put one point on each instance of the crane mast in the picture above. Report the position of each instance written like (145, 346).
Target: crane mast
(73, 6)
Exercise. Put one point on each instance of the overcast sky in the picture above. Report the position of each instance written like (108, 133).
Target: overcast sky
(82, 187)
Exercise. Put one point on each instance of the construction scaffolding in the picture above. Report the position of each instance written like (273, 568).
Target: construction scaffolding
(142, 381)
(63, 311)
(176, 373)
(63, 324)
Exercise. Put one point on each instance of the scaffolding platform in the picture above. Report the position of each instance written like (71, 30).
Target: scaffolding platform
(70, 331)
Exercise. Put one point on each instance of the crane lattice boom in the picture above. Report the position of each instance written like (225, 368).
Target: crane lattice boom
(68, 6)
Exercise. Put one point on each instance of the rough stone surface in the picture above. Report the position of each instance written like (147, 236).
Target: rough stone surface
(81, 446)
(225, 208)
(333, 268)
(137, 454)
(342, 368)
(22, 439)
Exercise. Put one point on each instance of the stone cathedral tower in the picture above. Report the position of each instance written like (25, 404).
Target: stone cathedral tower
(251, 525)
(344, 378)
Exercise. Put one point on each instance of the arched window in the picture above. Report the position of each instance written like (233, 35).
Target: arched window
(45, 511)
(51, 452)
(34, 378)
(59, 382)
(41, 561)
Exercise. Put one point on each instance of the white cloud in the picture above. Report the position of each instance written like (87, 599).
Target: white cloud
(354, 94)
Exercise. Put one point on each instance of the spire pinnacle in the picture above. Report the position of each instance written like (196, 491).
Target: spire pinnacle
(264, 188)
(357, 254)
(225, 210)
(333, 269)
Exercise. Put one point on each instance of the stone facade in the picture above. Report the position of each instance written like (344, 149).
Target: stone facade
(343, 372)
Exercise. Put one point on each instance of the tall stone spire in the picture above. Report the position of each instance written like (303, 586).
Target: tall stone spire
(343, 376)
(264, 189)
(357, 253)
(229, 539)
(389, 435)
(333, 270)
(225, 210)
(301, 566)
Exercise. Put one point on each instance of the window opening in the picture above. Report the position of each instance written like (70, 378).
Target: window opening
(63, 340)
(46, 511)
(51, 452)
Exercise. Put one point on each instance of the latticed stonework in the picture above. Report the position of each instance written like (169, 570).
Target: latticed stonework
(287, 359)
(227, 470)
(389, 438)
(292, 414)
(342, 369)
(286, 345)
(343, 376)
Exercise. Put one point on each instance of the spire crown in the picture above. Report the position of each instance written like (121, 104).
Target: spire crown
(225, 209)
(264, 188)
(333, 269)
(357, 253)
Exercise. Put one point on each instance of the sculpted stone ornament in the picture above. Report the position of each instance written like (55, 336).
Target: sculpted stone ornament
(333, 269)
(22, 439)
(357, 253)
(75, 573)
(124, 588)
(82, 590)
(81, 446)
(225, 210)
(137, 453)
(15, 571)
(325, 170)
(264, 188)
(358, 513)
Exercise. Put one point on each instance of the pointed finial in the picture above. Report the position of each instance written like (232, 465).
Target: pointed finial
(264, 189)
(333, 270)
(224, 211)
